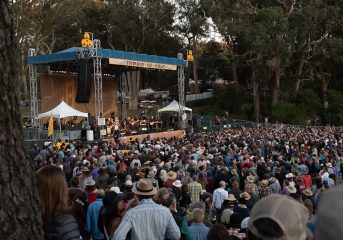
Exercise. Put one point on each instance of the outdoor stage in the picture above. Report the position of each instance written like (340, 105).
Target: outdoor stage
(167, 135)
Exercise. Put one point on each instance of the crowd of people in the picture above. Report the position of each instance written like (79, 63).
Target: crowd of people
(275, 182)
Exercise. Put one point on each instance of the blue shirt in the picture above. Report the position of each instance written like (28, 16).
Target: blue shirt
(92, 219)
(198, 231)
(149, 221)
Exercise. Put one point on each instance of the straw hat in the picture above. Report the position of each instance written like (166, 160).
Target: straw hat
(172, 175)
(307, 192)
(144, 187)
(231, 197)
(234, 172)
(264, 183)
(177, 183)
(251, 179)
(245, 195)
(289, 175)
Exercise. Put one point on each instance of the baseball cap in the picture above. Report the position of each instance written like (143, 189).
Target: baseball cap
(290, 215)
(329, 219)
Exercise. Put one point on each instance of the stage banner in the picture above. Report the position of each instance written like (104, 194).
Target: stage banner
(151, 65)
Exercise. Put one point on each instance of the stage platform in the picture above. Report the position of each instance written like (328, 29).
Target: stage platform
(167, 135)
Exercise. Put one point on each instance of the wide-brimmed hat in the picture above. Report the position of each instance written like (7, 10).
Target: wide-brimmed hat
(251, 179)
(100, 193)
(264, 183)
(89, 182)
(115, 189)
(144, 187)
(85, 169)
(329, 165)
(245, 195)
(289, 175)
(172, 175)
(177, 183)
(231, 197)
(128, 183)
(234, 171)
(307, 192)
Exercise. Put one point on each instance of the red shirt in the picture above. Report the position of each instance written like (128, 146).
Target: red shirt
(91, 198)
(307, 180)
(169, 183)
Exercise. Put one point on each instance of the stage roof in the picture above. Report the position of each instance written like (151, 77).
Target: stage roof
(71, 54)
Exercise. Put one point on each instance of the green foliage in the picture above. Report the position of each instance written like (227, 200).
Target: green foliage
(308, 102)
(334, 114)
(287, 113)
(230, 99)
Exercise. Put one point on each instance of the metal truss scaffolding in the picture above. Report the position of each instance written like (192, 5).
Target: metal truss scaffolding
(33, 89)
(181, 88)
(99, 104)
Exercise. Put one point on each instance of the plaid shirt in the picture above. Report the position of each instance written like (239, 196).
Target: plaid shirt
(194, 190)
(264, 191)
(235, 232)
(251, 188)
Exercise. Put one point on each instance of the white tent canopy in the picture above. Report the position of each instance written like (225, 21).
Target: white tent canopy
(174, 107)
(63, 110)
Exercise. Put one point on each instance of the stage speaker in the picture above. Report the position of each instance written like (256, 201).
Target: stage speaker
(84, 81)
(96, 133)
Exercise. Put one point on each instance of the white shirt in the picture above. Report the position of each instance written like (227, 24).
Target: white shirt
(219, 196)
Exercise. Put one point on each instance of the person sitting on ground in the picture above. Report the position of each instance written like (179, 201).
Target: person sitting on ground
(58, 222)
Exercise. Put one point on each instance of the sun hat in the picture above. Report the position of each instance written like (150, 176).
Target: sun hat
(307, 192)
(128, 183)
(289, 214)
(85, 169)
(234, 171)
(89, 182)
(328, 219)
(329, 165)
(115, 189)
(144, 187)
(264, 183)
(252, 169)
(231, 197)
(251, 179)
(245, 195)
(100, 193)
(177, 183)
(289, 175)
(172, 175)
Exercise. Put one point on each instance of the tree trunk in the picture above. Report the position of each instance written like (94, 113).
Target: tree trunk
(234, 71)
(298, 77)
(23, 80)
(19, 201)
(256, 93)
(325, 83)
(195, 67)
(276, 91)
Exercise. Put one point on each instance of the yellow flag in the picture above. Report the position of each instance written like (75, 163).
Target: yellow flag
(51, 126)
